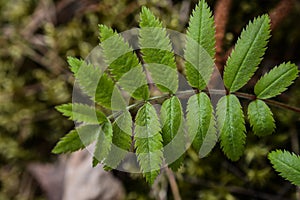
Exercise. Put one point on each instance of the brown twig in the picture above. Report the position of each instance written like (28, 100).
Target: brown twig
(221, 14)
(278, 14)
(184, 12)
(152, 87)
(188, 93)
(173, 184)
(282, 105)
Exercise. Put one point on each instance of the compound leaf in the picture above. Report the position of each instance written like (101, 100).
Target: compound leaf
(261, 118)
(200, 46)
(157, 52)
(287, 164)
(231, 124)
(276, 81)
(81, 113)
(148, 142)
(247, 54)
(77, 139)
(172, 132)
(201, 124)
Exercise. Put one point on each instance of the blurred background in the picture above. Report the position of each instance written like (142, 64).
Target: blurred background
(35, 39)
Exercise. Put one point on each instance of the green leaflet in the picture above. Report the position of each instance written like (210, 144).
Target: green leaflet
(201, 124)
(123, 63)
(117, 53)
(81, 113)
(200, 46)
(247, 54)
(122, 131)
(157, 52)
(93, 82)
(148, 142)
(261, 118)
(287, 164)
(77, 139)
(172, 132)
(134, 84)
(231, 125)
(104, 91)
(75, 64)
(88, 77)
(103, 143)
(171, 116)
(276, 81)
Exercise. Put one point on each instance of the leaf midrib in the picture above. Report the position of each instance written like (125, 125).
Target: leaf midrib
(147, 127)
(258, 114)
(277, 79)
(199, 41)
(171, 124)
(200, 121)
(246, 54)
(229, 117)
(297, 171)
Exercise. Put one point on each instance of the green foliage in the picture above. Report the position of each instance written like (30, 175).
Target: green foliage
(118, 53)
(171, 118)
(77, 139)
(172, 132)
(158, 140)
(34, 78)
(103, 143)
(261, 118)
(201, 123)
(157, 52)
(276, 81)
(287, 164)
(231, 124)
(134, 82)
(82, 113)
(148, 142)
(75, 64)
(200, 46)
(104, 91)
(122, 131)
(87, 75)
(247, 54)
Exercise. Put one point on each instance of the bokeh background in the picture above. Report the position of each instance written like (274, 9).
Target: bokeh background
(36, 36)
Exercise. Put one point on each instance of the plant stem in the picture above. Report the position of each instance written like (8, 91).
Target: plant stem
(173, 184)
(187, 93)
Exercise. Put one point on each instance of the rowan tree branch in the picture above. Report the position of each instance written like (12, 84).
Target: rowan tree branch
(173, 184)
(221, 14)
(279, 13)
